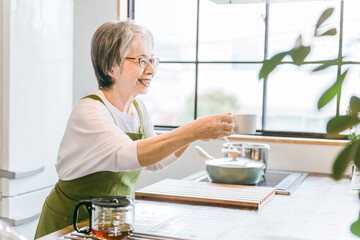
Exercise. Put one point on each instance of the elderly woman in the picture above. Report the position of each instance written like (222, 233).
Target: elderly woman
(110, 137)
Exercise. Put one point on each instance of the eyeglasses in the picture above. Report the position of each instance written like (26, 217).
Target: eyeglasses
(144, 61)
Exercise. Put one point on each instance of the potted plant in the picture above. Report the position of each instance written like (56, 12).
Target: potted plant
(339, 123)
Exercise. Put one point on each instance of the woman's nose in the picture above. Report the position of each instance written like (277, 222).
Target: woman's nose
(149, 69)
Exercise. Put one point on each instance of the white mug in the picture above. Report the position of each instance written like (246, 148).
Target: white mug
(244, 123)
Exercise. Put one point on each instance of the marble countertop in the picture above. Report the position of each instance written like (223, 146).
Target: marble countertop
(320, 208)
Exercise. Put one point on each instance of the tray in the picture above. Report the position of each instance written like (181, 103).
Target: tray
(204, 193)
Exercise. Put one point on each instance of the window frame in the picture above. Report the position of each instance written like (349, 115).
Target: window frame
(262, 131)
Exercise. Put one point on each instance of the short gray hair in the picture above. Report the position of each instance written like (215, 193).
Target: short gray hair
(111, 44)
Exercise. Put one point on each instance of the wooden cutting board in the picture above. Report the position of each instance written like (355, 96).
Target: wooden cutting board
(227, 195)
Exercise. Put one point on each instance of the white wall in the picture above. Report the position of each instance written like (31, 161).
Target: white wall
(88, 16)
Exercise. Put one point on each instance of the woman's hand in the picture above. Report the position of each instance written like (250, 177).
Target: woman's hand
(153, 150)
(213, 126)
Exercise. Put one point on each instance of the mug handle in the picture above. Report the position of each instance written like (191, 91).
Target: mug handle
(88, 205)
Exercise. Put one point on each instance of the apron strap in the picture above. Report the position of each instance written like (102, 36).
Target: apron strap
(97, 98)
(142, 126)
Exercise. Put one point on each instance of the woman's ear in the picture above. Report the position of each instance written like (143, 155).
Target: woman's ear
(114, 71)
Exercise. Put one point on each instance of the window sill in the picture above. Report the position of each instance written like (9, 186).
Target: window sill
(254, 138)
(310, 141)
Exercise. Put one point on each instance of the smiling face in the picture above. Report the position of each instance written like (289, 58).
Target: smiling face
(132, 78)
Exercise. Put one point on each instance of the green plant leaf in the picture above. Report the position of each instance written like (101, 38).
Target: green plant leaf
(329, 94)
(326, 64)
(355, 227)
(340, 123)
(299, 54)
(271, 64)
(341, 78)
(341, 163)
(325, 15)
(343, 159)
(353, 137)
(356, 149)
(330, 32)
(354, 105)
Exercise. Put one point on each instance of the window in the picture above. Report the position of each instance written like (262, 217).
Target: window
(211, 53)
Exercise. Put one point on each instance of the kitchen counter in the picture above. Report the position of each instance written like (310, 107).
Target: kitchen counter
(320, 208)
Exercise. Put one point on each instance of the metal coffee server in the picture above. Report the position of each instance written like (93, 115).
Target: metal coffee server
(109, 217)
(253, 151)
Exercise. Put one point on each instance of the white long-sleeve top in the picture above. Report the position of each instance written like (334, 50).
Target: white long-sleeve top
(92, 142)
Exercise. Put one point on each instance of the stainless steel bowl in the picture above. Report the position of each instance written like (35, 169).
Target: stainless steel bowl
(253, 151)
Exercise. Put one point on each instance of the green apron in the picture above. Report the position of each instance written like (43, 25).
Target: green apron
(57, 212)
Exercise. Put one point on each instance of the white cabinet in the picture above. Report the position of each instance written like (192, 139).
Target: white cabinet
(36, 99)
